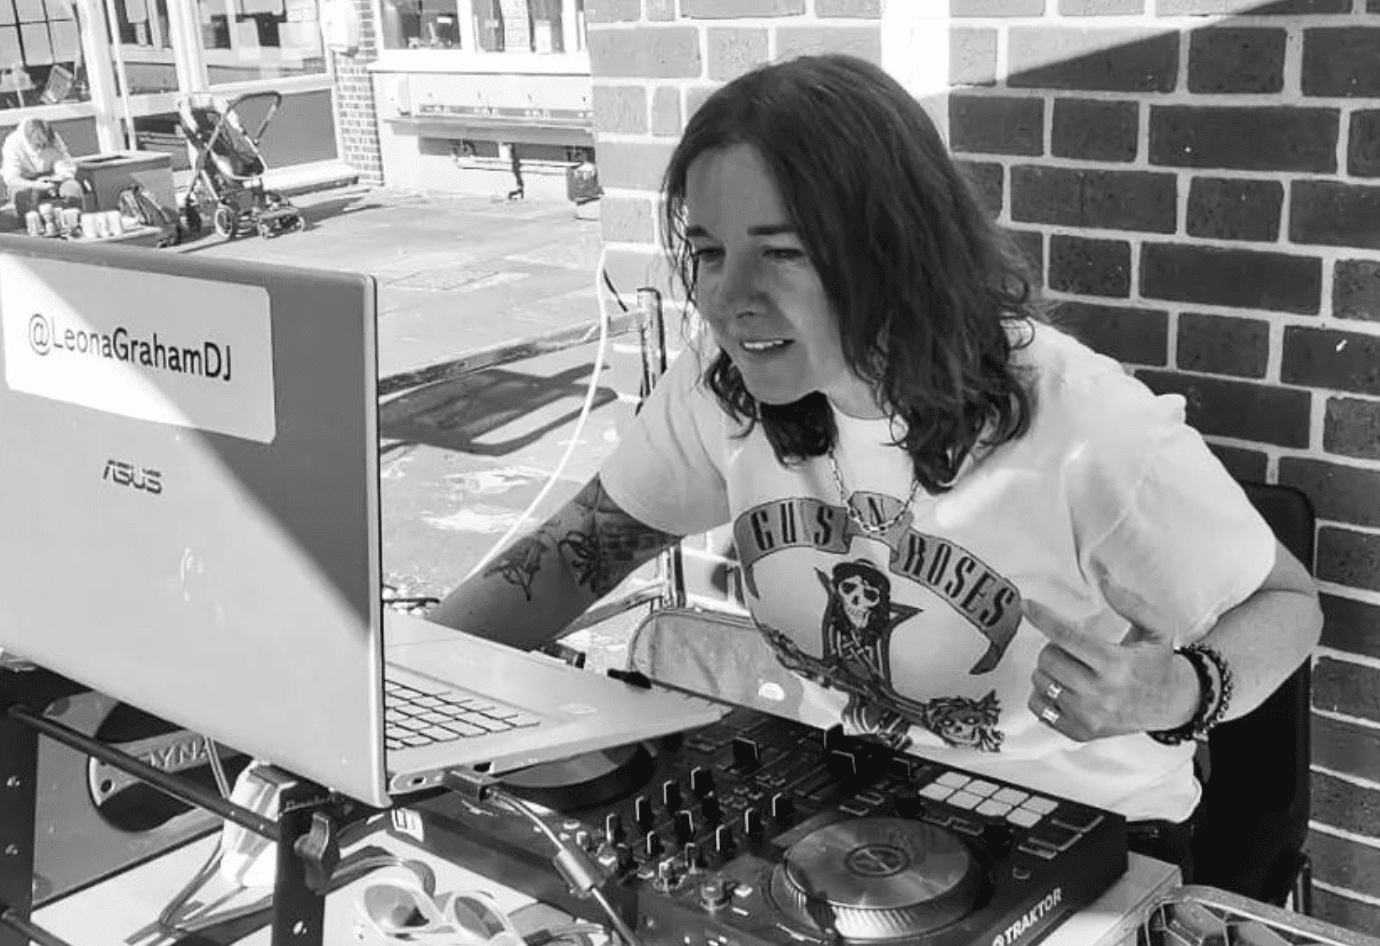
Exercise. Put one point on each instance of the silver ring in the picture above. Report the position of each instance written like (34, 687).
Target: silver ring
(1053, 690)
(1050, 715)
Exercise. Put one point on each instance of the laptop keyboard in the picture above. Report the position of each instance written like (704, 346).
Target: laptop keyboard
(417, 717)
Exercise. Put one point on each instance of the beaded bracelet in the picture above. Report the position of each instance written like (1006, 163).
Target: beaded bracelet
(1212, 700)
(1224, 683)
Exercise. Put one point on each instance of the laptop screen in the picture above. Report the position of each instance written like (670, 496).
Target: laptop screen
(189, 493)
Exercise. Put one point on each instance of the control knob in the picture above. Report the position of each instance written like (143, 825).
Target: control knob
(651, 845)
(694, 860)
(667, 875)
(843, 763)
(684, 826)
(723, 841)
(709, 806)
(715, 893)
(782, 808)
(747, 755)
(752, 824)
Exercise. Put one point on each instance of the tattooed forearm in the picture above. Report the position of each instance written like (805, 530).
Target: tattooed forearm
(606, 544)
(519, 565)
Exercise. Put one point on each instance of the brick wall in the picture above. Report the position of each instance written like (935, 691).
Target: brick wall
(654, 61)
(354, 101)
(1198, 182)
(1196, 179)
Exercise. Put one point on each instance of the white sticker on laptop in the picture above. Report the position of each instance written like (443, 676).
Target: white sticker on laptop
(579, 709)
(170, 349)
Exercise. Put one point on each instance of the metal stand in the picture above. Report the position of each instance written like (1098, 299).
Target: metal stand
(651, 334)
(18, 806)
(306, 832)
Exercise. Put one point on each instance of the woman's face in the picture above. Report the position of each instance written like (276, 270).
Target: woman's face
(758, 290)
(37, 135)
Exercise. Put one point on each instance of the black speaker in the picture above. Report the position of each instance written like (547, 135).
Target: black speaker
(94, 820)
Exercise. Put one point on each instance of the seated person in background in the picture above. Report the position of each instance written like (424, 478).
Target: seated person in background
(971, 536)
(37, 168)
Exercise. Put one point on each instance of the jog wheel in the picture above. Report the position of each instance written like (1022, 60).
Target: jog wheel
(874, 879)
(594, 778)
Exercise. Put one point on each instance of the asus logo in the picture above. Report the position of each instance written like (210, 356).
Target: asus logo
(127, 474)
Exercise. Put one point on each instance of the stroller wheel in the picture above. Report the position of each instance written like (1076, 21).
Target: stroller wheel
(226, 221)
(193, 218)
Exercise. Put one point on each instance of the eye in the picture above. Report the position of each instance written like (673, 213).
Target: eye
(784, 253)
(706, 255)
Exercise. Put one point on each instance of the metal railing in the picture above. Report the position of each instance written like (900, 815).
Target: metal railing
(1194, 915)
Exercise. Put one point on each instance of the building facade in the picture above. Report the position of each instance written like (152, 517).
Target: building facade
(485, 97)
(109, 73)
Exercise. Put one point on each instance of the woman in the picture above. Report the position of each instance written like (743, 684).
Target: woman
(979, 540)
(36, 167)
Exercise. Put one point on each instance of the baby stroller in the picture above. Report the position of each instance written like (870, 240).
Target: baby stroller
(228, 170)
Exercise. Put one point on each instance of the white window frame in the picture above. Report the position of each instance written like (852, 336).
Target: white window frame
(470, 59)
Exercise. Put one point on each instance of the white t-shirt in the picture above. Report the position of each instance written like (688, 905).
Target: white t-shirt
(1109, 505)
(21, 162)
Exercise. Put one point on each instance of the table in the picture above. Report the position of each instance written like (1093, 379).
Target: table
(109, 913)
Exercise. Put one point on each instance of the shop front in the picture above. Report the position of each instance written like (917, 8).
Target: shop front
(109, 73)
(485, 97)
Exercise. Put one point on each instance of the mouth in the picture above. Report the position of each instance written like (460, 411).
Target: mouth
(762, 346)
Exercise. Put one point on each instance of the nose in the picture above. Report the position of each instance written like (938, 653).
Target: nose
(737, 289)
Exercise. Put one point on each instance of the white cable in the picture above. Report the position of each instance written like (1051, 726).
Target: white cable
(579, 422)
(218, 770)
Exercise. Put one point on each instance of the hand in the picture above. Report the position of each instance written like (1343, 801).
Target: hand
(1087, 688)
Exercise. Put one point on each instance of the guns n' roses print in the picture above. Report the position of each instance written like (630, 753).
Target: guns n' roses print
(867, 610)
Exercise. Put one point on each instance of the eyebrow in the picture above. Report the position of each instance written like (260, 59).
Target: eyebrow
(768, 229)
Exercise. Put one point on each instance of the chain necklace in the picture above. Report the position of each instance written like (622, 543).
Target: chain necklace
(881, 528)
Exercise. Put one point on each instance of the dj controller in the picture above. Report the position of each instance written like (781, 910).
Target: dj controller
(756, 831)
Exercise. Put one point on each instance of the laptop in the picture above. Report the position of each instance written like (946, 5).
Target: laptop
(190, 523)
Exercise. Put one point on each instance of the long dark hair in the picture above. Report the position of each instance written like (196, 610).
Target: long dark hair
(924, 283)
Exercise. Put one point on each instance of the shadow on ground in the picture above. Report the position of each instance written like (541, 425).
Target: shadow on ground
(341, 206)
(463, 414)
(313, 210)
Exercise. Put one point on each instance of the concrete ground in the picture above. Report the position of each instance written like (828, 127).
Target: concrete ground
(461, 460)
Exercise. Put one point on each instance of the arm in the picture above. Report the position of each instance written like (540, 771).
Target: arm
(1266, 637)
(537, 586)
(1141, 684)
(12, 167)
(64, 168)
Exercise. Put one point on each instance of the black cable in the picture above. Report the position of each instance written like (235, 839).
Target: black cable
(613, 289)
(570, 862)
